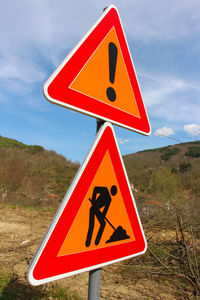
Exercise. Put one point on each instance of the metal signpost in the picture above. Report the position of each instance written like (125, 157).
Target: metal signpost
(94, 284)
(98, 79)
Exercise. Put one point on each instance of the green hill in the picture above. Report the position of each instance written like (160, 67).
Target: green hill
(181, 162)
(161, 175)
(33, 176)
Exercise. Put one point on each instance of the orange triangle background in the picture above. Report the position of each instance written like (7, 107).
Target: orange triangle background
(117, 215)
(93, 79)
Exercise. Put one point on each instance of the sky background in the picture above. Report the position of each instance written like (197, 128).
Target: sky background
(164, 40)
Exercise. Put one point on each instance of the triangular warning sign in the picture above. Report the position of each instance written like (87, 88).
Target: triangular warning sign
(97, 222)
(98, 77)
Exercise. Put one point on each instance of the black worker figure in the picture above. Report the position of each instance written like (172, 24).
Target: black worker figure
(101, 197)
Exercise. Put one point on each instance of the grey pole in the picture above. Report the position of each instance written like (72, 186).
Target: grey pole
(95, 275)
(99, 123)
(94, 284)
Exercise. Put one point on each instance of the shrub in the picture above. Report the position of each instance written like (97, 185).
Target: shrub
(174, 170)
(193, 152)
(164, 184)
(35, 149)
(183, 167)
(168, 153)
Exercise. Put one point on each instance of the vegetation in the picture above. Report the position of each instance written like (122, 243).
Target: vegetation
(6, 142)
(164, 184)
(11, 143)
(173, 255)
(193, 152)
(12, 288)
(142, 167)
(33, 176)
(168, 153)
(183, 167)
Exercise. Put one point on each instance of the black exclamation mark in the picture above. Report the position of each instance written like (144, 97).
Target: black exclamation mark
(112, 52)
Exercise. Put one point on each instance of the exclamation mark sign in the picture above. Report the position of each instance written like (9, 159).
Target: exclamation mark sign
(112, 52)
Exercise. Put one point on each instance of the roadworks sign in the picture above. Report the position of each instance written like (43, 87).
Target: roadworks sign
(97, 223)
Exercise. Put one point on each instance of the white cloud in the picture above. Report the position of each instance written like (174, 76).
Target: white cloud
(123, 141)
(193, 129)
(164, 131)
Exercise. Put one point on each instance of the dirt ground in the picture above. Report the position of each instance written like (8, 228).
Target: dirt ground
(21, 231)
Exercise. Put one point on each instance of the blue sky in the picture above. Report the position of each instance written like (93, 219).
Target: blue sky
(164, 40)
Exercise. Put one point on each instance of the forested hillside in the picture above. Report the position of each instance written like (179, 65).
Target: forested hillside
(166, 172)
(33, 176)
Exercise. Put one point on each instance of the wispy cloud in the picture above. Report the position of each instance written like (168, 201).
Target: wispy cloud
(163, 20)
(192, 129)
(123, 141)
(44, 24)
(21, 68)
(158, 88)
(167, 98)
